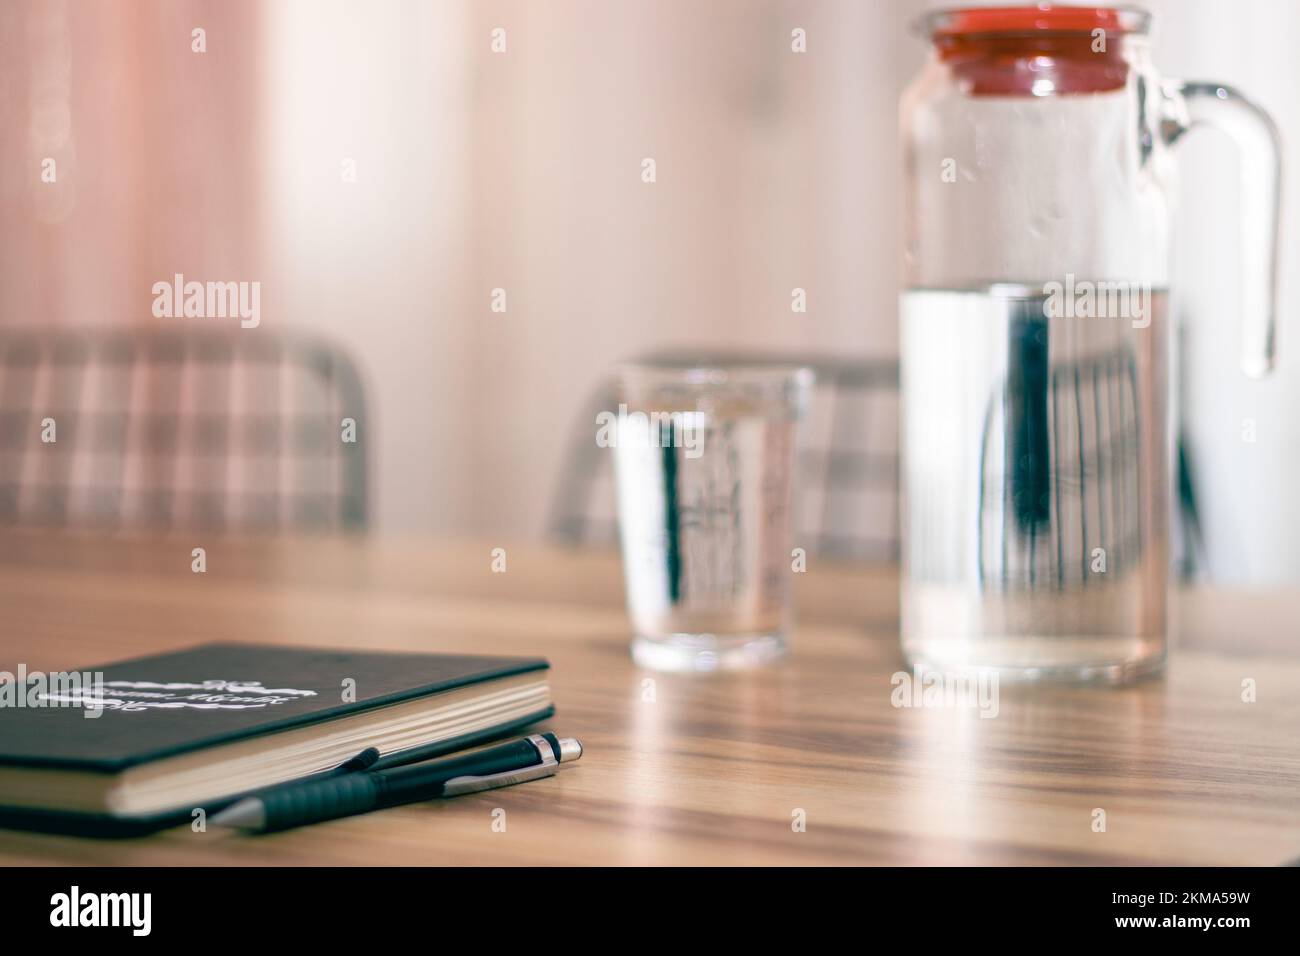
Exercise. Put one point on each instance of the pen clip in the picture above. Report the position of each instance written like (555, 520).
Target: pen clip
(461, 785)
(474, 784)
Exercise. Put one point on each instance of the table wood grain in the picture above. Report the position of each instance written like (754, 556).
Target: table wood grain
(703, 769)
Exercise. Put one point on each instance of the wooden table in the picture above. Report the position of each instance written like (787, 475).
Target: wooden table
(709, 769)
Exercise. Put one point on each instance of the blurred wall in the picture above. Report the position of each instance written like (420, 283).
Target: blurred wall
(156, 156)
(367, 185)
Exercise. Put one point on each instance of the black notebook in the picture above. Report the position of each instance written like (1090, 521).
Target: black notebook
(167, 735)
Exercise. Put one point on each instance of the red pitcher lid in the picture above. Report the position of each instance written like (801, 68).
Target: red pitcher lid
(1040, 50)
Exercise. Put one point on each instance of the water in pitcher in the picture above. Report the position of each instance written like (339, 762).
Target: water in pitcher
(1035, 475)
(705, 526)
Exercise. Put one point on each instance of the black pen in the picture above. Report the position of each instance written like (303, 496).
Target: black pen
(341, 795)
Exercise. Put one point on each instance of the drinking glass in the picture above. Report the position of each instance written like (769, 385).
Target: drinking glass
(704, 459)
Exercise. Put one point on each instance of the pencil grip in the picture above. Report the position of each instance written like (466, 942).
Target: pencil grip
(322, 800)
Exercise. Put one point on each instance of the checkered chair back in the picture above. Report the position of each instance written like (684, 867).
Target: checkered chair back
(179, 428)
(847, 481)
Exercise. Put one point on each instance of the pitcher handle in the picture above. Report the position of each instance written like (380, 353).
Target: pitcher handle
(1253, 130)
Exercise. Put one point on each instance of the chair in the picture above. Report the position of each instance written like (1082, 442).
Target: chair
(847, 479)
(168, 427)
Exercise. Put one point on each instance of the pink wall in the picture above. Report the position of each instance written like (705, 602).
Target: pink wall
(156, 148)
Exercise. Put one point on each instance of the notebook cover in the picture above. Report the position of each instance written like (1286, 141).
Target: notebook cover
(170, 704)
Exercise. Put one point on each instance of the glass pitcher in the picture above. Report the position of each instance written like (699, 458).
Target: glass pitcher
(1035, 336)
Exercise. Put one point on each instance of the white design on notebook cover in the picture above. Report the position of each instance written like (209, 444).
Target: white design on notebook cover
(136, 696)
